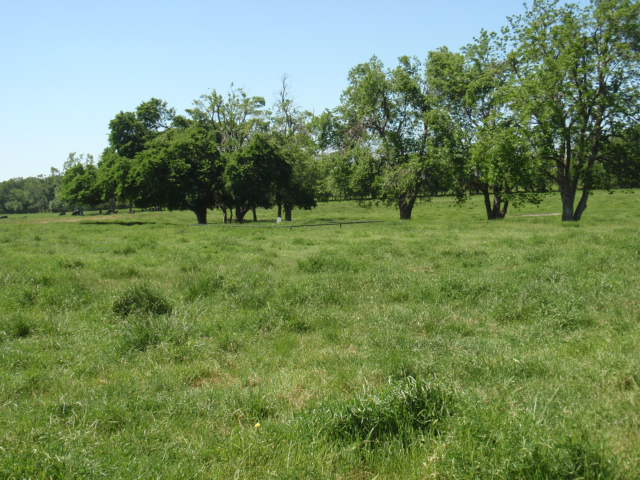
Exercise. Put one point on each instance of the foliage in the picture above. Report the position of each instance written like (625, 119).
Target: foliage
(29, 195)
(487, 151)
(255, 174)
(574, 84)
(79, 186)
(180, 169)
(387, 110)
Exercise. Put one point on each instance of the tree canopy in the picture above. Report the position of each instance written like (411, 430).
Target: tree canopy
(550, 102)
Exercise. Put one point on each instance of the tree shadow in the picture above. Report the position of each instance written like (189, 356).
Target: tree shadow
(124, 224)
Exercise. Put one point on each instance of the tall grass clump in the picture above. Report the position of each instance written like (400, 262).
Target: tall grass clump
(143, 331)
(14, 326)
(141, 299)
(399, 411)
(327, 262)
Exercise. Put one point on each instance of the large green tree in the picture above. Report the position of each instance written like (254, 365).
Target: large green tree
(255, 174)
(488, 153)
(129, 135)
(575, 83)
(236, 118)
(387, 111)
(180, 169)
(79, 186)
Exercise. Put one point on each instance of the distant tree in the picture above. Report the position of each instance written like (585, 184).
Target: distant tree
(235, 119)
(576, 72)
(180, 169)
(30, 194)
(388, 111)
(129, 131)
(256, 174)
(339, 154)
(129, 134)
(487, 152)
(79, 187)
(621, 167)
(291, 131)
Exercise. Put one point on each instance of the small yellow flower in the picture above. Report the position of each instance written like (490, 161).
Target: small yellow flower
(257, 425)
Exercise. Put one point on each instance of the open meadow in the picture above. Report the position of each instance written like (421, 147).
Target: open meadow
(142, 346)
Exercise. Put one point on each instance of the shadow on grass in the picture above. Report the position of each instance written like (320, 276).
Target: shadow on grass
(125, 224)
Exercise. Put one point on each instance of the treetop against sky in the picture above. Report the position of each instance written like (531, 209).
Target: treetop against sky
(69, 67)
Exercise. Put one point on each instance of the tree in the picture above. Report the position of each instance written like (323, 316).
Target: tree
(129, 131)
(79, 187)
(181, 169)
(575, 83)
(30, 194)
(113, 180)
(235, 118)
(387, 111)
(291, 130)
(621, 167)
(129, 134)
(487, 152)
(255, 174)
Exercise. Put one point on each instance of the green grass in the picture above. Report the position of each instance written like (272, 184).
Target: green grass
(143, 346)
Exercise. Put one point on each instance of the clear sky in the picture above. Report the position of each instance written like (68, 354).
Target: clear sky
(67, 67)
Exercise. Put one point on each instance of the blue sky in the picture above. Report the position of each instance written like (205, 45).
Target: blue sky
(68, 67)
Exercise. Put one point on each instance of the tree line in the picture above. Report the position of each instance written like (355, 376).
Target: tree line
(551, 102)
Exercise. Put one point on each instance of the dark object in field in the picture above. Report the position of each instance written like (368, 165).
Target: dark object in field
(3, 216)
(62, 213)
(112, 212)
(77, 213)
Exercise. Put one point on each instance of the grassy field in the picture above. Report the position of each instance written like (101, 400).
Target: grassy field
(142, 346)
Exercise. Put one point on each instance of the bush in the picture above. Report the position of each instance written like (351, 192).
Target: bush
(141, 299)
(404, 408)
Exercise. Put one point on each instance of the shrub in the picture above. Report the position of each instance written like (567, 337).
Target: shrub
(141, 299)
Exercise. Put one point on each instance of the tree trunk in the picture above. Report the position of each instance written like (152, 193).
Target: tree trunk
(499, 208)
(224, 215)
(568, 197)
(582, 204)
(240, 213)
(201, 214)
(255, 215)
(487, 202)
(279, 210)
(496, 208)
(288, 215)
(405, 205)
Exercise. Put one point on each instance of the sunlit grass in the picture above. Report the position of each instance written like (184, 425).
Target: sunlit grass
(143, 346)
